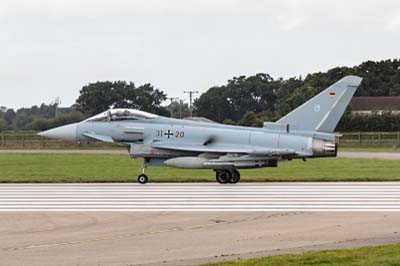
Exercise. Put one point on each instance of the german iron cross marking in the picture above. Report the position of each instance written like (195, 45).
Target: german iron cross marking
(169, 133)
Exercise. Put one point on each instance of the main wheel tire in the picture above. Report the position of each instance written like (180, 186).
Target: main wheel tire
(235, 176)
(223, 176)
(142, 179)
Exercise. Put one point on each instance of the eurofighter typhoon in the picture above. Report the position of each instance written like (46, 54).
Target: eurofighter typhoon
(306, 132)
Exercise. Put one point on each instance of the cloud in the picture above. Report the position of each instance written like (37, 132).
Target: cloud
(182, 7)
(52, 48)
(286, 15)
(393, 23)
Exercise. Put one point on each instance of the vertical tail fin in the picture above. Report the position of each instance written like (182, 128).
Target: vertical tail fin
(323, 112)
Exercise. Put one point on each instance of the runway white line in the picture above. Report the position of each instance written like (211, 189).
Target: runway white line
(351, 196)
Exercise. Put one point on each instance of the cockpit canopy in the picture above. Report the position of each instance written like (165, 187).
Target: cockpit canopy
(120, 114)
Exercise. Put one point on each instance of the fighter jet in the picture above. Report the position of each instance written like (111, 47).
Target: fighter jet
(306, 132)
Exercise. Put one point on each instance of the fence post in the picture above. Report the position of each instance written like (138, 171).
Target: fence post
(2, 139)
(359, 137)
(23, 140)
(398, 138)
(41, 141)
(380, 137)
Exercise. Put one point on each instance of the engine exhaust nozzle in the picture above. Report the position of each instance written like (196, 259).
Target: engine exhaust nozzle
(323, 148)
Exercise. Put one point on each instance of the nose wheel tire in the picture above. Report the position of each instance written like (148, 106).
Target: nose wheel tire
(142, 179)
(235, 176)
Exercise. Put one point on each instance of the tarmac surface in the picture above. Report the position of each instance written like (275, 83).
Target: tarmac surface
(182, 238)
(341, 154)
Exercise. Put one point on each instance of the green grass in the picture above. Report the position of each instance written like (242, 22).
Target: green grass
(120, 168)
(388, 255)
(369, 148)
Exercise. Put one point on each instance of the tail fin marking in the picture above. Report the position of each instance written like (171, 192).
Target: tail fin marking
(323, 112)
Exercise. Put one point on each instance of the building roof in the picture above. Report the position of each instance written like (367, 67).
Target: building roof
(384, 103)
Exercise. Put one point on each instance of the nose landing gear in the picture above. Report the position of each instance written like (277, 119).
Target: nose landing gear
(231, 176)
(143, 178)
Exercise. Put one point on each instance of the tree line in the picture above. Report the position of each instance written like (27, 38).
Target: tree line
(252, 100)
(94, 98)
(242, 100)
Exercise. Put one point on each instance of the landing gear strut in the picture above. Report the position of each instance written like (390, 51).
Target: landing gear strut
(231, 176)
(143, 178)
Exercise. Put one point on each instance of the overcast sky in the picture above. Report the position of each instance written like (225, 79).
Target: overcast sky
(52, 48)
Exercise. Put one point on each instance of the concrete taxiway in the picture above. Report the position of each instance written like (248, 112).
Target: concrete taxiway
(182, 238)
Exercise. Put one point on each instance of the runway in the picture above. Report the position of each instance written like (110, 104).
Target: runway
(244, 197)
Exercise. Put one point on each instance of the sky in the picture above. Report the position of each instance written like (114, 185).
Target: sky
(51, 48)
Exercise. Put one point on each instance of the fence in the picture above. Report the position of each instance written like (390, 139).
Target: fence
(371, 138)
(30, 140)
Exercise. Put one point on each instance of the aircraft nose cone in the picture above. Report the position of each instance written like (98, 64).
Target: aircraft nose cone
(67, 132)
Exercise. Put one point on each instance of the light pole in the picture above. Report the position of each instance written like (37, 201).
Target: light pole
(57, 103)
(190, 100)
(170, 106)
(180, 108)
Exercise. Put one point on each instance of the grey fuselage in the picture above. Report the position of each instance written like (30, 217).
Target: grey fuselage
(141, 134)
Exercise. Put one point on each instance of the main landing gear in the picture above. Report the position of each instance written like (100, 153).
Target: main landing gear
(231, 176)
